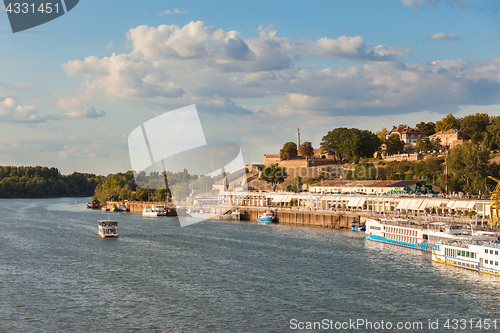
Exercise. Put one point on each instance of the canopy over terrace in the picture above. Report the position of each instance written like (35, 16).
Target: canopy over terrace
(374, 187)
(421, 204)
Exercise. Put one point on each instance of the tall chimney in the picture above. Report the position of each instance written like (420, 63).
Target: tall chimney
(298, 141)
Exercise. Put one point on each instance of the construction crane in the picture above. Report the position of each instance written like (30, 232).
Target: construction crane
(495, 207)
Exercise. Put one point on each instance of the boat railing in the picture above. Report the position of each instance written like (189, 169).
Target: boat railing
(465, 244)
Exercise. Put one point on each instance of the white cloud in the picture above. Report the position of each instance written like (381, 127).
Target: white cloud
(172, 12)
(110, 45)
(12, 111)
(78, 152)
(197, 45)
(442, 36)
(78, 109)
(123, 77)
(417, 4)
(171, 66)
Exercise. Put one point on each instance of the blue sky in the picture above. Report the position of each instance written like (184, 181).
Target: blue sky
(73, 89)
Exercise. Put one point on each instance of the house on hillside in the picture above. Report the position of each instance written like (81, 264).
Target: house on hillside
(406, 134)
(450, 137)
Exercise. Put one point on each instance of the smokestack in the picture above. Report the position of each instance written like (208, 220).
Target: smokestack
(298, 141)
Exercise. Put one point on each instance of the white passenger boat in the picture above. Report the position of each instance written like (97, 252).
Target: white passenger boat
(266, 218)
(201, 214)
(154, 210)
(121, 208)
(424, 237)
(234, 215)
(477, 255)
(107, 228)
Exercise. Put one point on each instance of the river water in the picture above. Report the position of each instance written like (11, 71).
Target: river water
(56, 274)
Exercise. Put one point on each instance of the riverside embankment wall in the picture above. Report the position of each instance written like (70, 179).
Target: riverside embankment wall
(306, 218)
(283, 216)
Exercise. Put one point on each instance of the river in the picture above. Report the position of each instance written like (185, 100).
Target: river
(56, 274)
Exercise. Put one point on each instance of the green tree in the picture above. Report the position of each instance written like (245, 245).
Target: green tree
(141, 194)
(180, 191)
(423, 144)
(474, 126)
(296, 186)
(332, 142)
(382, 133)
(350, 142)
(288, 151)
(448, 123)
(394, 145)
(493, 134)
(306, 149)
(468, 165)
(426, 128)
(273, 174)
(369, 143)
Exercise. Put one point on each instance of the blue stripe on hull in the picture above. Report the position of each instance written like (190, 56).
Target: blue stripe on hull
(418, 246)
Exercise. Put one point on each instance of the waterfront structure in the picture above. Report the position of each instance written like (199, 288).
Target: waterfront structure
(478, 256)
(370, 204)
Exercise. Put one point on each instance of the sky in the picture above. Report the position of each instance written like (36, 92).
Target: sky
(73, 89)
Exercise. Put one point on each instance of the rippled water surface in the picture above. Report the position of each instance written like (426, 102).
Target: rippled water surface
(57, 275)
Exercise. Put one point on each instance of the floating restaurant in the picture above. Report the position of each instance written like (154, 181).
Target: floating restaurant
(376, 204)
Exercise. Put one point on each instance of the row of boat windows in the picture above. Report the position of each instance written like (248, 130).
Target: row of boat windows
(465, 265)
(401, 231)
(455, 253)
(374, 228)
(401, 238)
(491, 251)
(486, 261)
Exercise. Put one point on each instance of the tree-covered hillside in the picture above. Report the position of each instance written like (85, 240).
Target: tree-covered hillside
(44, 182)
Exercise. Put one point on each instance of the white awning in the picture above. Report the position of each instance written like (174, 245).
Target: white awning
(436, 203)
(356, 202)
(471, 205)
(414, 204)
(403, 204)
(423, 204)
(351, 202)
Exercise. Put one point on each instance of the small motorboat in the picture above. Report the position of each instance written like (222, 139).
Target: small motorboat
(266, 218)
(357, 226)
